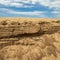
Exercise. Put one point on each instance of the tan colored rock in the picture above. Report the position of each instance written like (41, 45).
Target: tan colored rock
(36, 39)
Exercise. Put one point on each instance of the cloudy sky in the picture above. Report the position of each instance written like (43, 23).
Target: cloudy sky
(30, 8)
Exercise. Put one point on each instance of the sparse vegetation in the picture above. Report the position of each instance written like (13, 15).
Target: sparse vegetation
(4, 23)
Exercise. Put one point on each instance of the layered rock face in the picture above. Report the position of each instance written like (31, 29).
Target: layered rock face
(27, 27)
(30, 40)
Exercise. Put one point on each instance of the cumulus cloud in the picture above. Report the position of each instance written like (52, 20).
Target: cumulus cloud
(15, 3)
(19, 3)
(51, 3)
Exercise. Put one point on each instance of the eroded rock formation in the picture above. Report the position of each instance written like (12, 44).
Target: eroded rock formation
(30, 40)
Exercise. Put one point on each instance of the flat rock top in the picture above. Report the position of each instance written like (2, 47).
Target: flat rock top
(30, 19)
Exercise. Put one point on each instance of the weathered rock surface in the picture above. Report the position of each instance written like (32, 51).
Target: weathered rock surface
(16, 28)
(30, 40)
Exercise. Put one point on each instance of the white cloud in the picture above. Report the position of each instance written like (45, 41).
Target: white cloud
(19, 3)
(55, 4)
(52, 4)
(55, 12)
(32, 13)
(15, 3)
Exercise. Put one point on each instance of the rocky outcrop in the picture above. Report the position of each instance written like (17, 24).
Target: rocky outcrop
(45, 47)
(18, 28)
(30, 40)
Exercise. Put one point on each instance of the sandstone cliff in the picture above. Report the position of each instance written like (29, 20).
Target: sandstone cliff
(30, 40)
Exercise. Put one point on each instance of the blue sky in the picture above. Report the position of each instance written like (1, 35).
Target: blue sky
(30, 8)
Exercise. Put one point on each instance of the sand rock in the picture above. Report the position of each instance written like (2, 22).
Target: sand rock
(29, 40)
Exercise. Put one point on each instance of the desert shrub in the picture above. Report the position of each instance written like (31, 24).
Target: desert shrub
(58, 21)
(43, 22)
(25, 22)
(15, 23)
(18, 23)
(4, 22)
